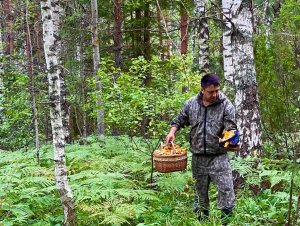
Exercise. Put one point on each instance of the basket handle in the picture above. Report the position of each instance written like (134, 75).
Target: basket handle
(173, 150)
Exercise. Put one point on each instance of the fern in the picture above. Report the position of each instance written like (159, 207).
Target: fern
(243, 165)
(109, 179)
(175, 182)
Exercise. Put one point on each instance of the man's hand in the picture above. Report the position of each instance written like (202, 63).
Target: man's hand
(233, 148)
(171, 136)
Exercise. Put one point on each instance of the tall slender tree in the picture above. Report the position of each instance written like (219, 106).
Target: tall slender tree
(50, 10)
(31, 79)
(9, 32)
(203, 35)
(160, 33)
(118, 32)
(239, 70)
(147, 36)
(1, 73)
(183, 29)
(96, 61)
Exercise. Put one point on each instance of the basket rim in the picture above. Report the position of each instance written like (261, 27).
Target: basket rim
(168, 156)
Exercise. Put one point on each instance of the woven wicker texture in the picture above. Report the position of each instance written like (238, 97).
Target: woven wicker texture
(170, 163)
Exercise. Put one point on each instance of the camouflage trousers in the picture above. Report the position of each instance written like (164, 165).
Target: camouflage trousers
(215, 168)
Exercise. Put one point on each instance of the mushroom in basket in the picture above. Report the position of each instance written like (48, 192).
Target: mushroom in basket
(170, 149)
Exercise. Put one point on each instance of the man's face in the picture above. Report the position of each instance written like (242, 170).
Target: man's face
(210, 93)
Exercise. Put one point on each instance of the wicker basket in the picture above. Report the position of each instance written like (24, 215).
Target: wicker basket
(169, 163)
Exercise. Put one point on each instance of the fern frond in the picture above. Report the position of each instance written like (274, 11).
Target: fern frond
(174, 182)
(114, 219)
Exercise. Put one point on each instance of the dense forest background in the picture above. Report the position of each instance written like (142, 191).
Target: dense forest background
(123, 70)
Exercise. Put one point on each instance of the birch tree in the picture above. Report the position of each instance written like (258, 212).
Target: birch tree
(50, 10)
(203, 35)
(239, 70)
(96, 61)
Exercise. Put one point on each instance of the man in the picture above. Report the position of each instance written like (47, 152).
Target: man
(209, 113)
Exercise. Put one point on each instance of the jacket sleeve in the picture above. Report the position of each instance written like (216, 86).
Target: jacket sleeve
(229, 117)
(182, 119)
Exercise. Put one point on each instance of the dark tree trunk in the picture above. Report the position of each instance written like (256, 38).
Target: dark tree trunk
(138, 35)
(37, 37)
(117, 32)
(160, 32)
(30, 71)
(147, 46)
(8, 26)
(183, 30)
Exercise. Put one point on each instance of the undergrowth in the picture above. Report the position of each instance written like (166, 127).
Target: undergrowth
(111, 183)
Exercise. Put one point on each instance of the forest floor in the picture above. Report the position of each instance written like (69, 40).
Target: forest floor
(111, 183)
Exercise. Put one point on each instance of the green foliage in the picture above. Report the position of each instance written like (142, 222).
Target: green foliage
(109, 178)
(137, 108)
(277, 65)
(16, 116)
(269, 181)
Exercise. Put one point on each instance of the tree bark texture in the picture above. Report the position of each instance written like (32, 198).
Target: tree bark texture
(8, 26)
(160, 34)
(96, 61)
(138, 35)
(37, 37)
(31, 79)
(1, 73)
(118, 32)
(57, 8)
(203, 32)
(50, 10)
(80, 59)
(183, 29)
(239, 70)
(147, 45)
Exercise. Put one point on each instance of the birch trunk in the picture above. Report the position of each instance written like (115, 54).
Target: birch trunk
(31, 85)
(202, 26)
(52, 46)
(239, 70)
(58, 9)
(267, 22)
(96, 61)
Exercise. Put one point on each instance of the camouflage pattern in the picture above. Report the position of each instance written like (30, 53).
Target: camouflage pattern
(210, 162)
(207, 123)
(215, 168)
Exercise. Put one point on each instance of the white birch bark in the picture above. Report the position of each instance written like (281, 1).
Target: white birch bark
(202, 26)
(58, 10)
(267, 22)
(239, 70)
(52, 46)
(96, 61)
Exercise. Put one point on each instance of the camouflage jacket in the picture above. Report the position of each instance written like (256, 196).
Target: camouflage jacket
(207, 123)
